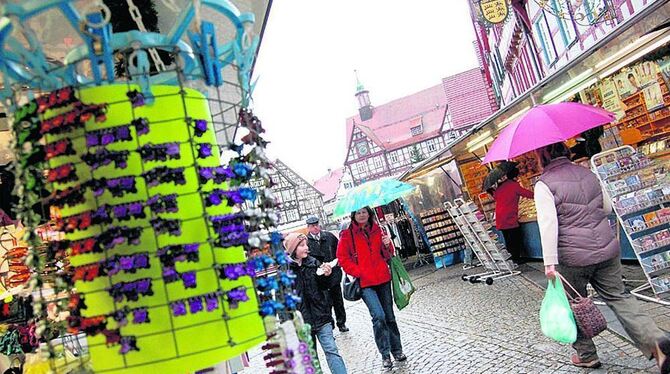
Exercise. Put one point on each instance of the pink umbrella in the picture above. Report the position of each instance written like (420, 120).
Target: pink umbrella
(544, 125)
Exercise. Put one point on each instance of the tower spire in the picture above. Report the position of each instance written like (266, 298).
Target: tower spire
(359, 85)
(364, 107)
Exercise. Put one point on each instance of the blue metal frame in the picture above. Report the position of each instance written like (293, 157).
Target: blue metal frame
(200, 56)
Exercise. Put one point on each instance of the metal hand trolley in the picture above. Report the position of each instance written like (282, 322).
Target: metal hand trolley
(492, 255)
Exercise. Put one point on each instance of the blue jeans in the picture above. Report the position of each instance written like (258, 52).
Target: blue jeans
(380, 304)
(327, 341)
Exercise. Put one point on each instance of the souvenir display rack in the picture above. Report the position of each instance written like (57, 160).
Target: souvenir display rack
(479, 236)
(148, 164)
(640, 196)
(442, 233)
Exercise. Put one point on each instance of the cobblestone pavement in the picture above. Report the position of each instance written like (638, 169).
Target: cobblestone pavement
(453, 326)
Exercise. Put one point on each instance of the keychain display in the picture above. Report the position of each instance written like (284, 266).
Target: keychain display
(142, 205)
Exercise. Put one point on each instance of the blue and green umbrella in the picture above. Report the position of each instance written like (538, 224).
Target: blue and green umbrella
(374, 193)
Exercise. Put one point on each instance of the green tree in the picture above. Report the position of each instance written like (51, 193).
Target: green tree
(415, 154)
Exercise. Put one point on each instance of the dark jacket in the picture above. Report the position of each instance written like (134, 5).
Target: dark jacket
(325, 250)
(584, 234)
(315, 305)
(362, 254)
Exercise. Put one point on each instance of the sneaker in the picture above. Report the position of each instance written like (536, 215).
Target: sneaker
(400, 357)
(387, 363)
(343, 328)
(592, 364)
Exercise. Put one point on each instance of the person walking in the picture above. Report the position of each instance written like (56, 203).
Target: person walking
(578, 243)
(363, 252)
(315, 305)
(507, 212)
(323, 247)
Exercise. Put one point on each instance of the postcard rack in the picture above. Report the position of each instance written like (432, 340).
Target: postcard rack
(640, 195)
(479, 237)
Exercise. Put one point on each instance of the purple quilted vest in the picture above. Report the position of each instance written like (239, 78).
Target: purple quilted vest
(584, 234)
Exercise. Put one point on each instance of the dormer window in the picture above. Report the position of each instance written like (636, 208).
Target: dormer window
(416, 126)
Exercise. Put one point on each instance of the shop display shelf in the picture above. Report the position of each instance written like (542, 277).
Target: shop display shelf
(628, 189)
(641, 208)
(646, 252)
(642, 114)
(650, 225)
(661, 290)
(646, 231)
(435, 233)
(659, 118)
(660, 271)
(436, 219)
(429, 227)
(441, 212)
(627, 170)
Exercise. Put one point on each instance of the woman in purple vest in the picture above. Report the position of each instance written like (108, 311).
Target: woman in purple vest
(577, 241)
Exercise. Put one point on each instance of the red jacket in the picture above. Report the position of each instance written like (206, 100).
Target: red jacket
(507, 203)
(366, 261)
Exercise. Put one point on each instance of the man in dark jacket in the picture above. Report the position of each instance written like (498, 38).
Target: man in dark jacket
(323, 247)
(312, 282)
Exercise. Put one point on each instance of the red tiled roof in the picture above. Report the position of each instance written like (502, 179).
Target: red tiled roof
(390, 124)
(468, 97)
(329, 184)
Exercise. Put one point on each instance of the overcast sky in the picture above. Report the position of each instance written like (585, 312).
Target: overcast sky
(308, 53)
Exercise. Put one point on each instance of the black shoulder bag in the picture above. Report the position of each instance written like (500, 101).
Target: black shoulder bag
(351, 287)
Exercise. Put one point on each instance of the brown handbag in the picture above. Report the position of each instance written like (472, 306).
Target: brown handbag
(590, 321)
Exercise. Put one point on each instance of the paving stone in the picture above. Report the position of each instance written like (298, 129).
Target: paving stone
(453, 326)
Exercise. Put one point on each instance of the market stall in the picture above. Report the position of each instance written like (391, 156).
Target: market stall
(438, 182)
(641, 102)
(473, 173)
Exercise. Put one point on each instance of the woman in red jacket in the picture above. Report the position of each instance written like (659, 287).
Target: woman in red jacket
(362, 252)
(507, 212)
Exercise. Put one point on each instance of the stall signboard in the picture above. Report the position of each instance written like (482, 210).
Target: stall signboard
(647, 73)
(494, 11)
(664, 68)
(611, 100)
(591, 95)
(627, 83)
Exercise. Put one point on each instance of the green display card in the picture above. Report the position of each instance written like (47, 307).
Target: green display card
(167, 344)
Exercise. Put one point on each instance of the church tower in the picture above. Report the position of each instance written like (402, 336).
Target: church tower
(364, 106)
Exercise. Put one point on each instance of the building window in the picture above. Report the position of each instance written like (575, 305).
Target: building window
(292, 215)
(417, 130)
(278, 197)
(378, 162)
(393, 157)
(287, 195)
(347, 185)
(545, 39)
(361, 167)
(431, 146)
(565, 24)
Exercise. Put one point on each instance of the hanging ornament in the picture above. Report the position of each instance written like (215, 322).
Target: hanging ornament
(583, 12)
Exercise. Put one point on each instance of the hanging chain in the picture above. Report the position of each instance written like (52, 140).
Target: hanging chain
(137, 17)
